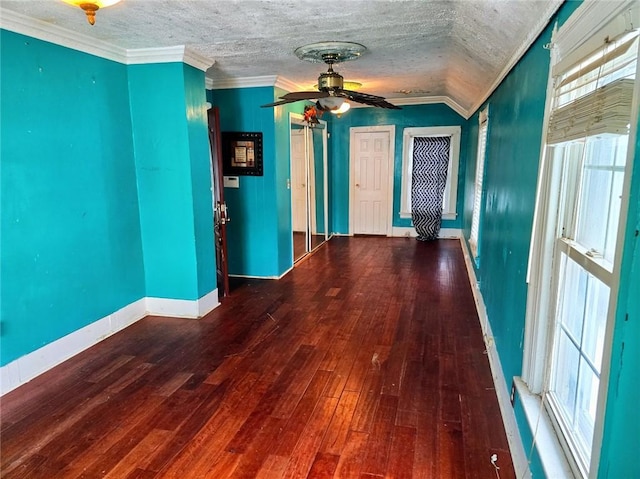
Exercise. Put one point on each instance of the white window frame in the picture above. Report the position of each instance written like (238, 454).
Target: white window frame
(449, 201)
(582, 33)
(481, 158)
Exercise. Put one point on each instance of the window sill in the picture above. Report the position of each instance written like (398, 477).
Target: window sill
(549, 449)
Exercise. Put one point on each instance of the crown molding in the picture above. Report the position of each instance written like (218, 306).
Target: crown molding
(48, 32)
(252, 82)
(197, 60)
(519, 53)
(286, 84)
(51, 33)
(427, 100)
(247, 82)
(179, 53)
(423, 100)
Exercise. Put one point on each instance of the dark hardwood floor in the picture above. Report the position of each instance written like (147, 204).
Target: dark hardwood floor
(366, 361)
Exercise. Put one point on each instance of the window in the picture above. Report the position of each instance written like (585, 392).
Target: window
(591, 191)
(575, 239)
(474, 236)
(451, 188)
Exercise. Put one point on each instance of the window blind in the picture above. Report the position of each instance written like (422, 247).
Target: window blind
(477, 199)
(605, 110)
(601, 59)
(594, 96)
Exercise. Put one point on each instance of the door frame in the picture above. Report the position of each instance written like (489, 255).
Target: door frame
(303, 163)
(391, 129)
(219, 206)
(311, 185)
(299, 119)
(325, 184)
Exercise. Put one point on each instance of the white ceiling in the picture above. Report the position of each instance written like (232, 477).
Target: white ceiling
(453, 50)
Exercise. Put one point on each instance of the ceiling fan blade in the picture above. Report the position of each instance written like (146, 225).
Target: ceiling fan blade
(278, 103)
(367, 99)
(298, 96)
(305, 95)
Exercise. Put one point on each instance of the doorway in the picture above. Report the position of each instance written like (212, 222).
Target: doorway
(308, 185)
(371, 180)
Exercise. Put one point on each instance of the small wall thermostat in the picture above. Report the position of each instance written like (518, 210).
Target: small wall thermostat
(231, 182)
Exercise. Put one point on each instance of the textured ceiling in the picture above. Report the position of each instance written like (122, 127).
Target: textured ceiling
(446, 48)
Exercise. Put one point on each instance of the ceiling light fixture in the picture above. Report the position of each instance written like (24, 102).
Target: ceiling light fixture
(90, 7)
(330, 103)
(331, 88)
(345, 107)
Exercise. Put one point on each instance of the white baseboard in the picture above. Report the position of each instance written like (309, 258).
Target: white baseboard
(410, 231)
(182, 308)
(31, 365)
(208, 303)
(518, 454)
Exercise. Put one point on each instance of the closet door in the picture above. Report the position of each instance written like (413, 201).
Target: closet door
(308, 183)
(317, 185)
(299, 193)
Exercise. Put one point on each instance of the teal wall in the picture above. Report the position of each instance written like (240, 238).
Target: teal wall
(105, 189)
(621, 440)
(174, 179)
(407, 117)
(256, 220)
(526, 435)
(516, 112)
(70, 247)
(201, 187)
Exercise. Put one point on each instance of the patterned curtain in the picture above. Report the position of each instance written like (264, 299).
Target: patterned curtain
(429, 178)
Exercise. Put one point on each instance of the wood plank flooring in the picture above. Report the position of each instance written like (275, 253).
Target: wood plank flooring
(366, 361)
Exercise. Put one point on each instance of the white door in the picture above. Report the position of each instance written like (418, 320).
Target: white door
(371, 193)
(298, 181)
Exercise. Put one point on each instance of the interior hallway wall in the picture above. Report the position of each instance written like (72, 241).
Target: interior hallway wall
(71, 251)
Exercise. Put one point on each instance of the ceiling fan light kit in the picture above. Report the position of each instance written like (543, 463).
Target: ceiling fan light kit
(331, 102)
(90, 7)
(343, 109)
(331, 94)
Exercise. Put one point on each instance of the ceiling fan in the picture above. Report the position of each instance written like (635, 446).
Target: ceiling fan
(331, 93)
